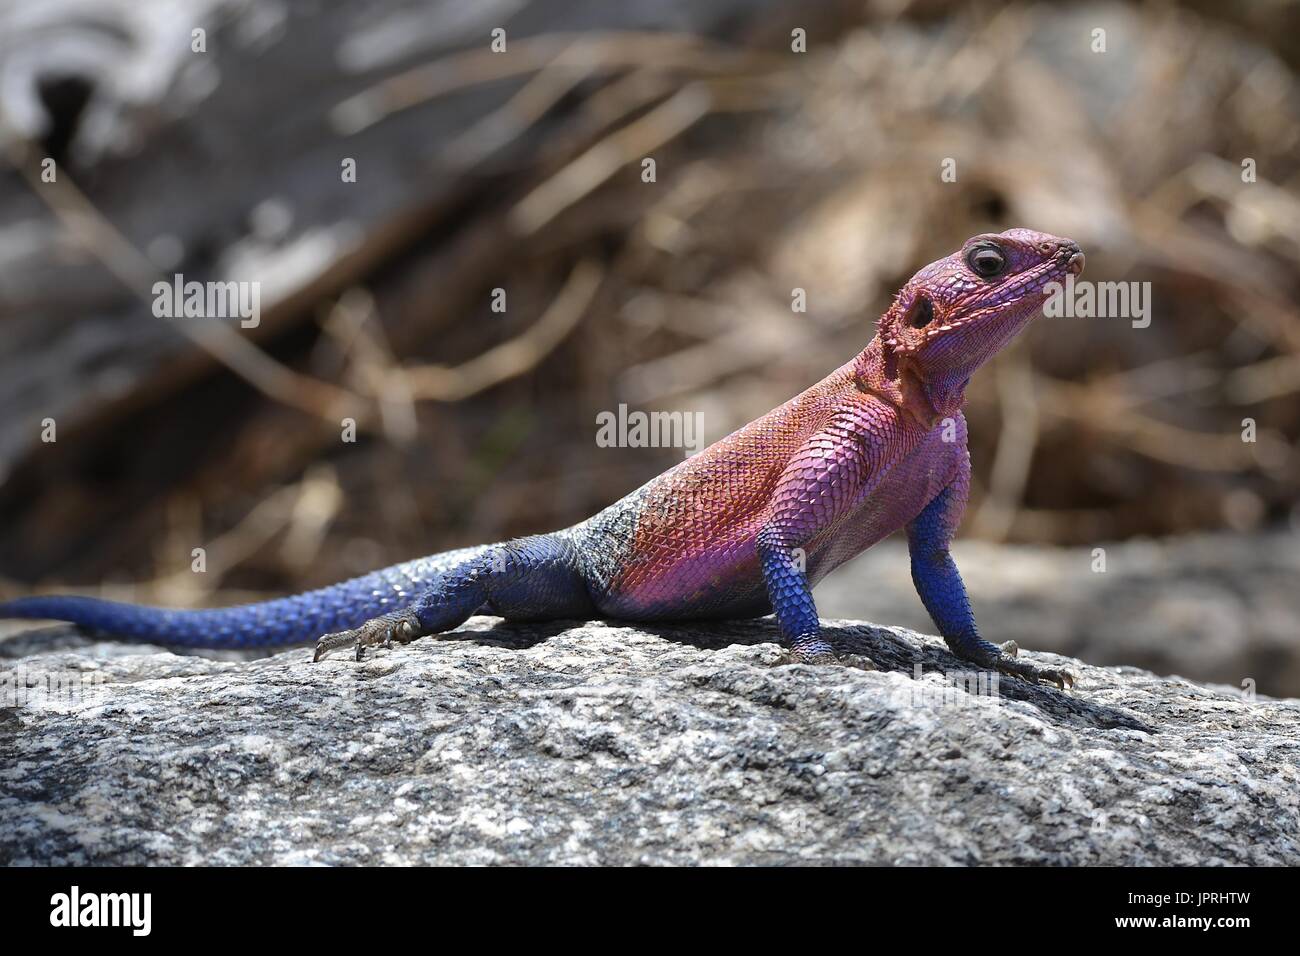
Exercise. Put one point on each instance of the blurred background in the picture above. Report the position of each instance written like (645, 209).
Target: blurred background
(522, 171)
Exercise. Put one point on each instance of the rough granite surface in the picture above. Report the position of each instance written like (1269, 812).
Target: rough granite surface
(589, 743)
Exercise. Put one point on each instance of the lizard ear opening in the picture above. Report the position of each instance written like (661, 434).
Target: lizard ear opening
(920, 313)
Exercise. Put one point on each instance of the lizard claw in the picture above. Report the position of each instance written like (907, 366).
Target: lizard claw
(401, 626)
(1007, 663)
(1005, 660)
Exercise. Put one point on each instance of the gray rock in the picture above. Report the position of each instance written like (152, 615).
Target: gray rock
(594, 743)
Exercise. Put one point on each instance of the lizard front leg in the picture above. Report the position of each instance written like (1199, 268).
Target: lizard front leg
(822, 482)
(791, 598)
(943, 593)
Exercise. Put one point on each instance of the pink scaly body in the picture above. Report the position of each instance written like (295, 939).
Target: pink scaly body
(835, 463)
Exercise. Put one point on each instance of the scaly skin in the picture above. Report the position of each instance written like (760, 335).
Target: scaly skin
(745, 528)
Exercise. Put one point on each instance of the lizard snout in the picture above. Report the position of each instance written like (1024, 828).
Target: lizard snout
(1072, 255)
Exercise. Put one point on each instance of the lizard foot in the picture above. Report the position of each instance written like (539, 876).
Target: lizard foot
(797, 656)
(1007, 662)
(860, 661)
(401, 626)
(823, 657)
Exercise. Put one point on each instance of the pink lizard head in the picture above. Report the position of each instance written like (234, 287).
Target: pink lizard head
(956, 313)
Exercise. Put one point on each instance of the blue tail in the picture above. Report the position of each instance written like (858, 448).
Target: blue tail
(290, 620)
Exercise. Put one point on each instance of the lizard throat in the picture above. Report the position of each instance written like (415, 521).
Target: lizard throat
(897, 381)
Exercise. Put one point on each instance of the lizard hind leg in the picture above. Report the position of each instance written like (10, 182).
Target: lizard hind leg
(534, 578)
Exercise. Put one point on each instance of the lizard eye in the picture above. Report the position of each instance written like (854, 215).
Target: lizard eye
(986, 261)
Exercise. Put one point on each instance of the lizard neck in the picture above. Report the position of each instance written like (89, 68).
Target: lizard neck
(902, 382)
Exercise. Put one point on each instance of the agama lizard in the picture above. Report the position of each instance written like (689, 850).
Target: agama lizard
(745, 528)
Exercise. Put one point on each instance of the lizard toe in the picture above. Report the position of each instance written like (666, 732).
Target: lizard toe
(327, 644)
(1033, 673)
(809, 655)
(1003, 659)
(859, 661)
